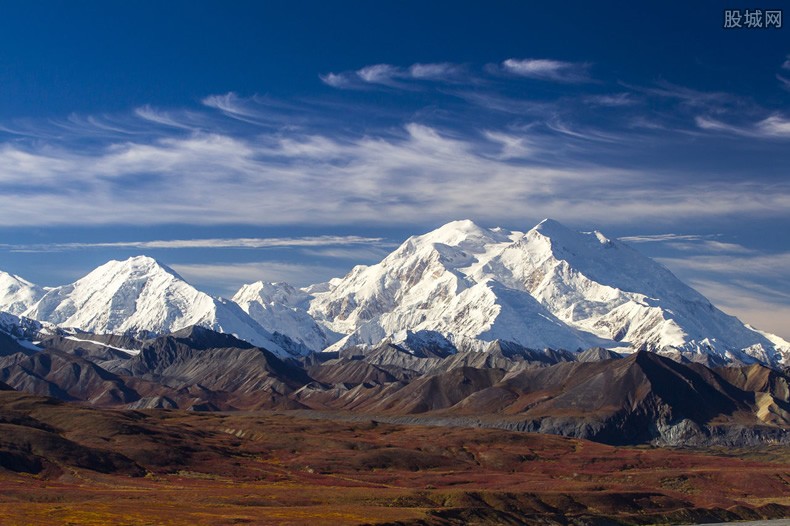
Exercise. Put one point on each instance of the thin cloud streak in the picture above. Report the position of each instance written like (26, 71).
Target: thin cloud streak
(162, 118)
(546, 69)
(215, 243)
(616, 100)
(772, 127)
(753, 264)
(691, 243)
(394, 76)
(660, 238)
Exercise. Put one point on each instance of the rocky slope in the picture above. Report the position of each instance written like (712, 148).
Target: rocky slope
(642, 398)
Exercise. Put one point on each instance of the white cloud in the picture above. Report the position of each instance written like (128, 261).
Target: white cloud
(660, 238)
(220, 243)
(688, 96)
(615, 100)
(512, 146)
(546, 69)
(749, 263)
(393, 76)
(150, 114)
(436, 71)
(421, 174)
(772, 127)
(706, 123)
(378, 73)
(691, 243)
(336, 80)
(587, 134)
(229, 103)
(381, 74)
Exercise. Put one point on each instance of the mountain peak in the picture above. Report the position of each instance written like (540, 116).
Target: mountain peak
(552, 228)
(561, 236)
(17, 294)
(141, 264)
(465, 234)
(455, 228)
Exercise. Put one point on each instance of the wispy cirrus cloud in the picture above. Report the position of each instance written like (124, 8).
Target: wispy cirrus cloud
(164, 118)
(512, 146)
(378, 74)
(747, 263)
(264, 161)
(784, 81)
(660, 238)
(691, 243)
(215, 243)
(688, 96)
(613, 100)
(547, 69)
(437, 71)
(775, 126)
(393, 76)
(287, 176)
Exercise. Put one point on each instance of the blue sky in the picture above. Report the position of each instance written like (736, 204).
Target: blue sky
(292, 140)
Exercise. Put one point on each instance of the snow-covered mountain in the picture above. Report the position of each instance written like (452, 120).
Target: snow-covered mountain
(548, 287)
(427, 285)
(281, 308)
(17, 294)
(606, 287)
(460, 284)
(143, 297)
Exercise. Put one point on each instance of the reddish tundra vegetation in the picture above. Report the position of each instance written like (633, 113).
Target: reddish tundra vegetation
(62, 463)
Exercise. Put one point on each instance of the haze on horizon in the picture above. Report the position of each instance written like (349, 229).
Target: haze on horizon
(291, 142)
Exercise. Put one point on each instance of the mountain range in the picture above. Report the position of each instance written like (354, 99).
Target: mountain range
(461, 287)
(595, 394)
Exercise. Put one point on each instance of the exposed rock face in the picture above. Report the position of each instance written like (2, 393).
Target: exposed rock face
(644, 398)
(640, 398)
